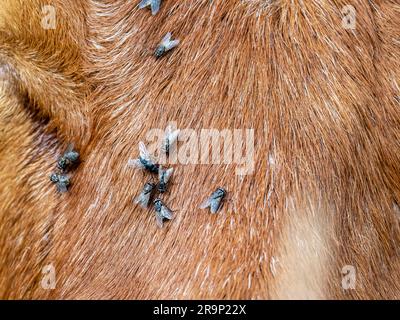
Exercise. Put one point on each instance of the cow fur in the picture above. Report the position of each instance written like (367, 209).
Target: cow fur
(324, 105)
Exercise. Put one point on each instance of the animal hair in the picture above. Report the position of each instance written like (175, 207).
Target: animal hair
(323, 102)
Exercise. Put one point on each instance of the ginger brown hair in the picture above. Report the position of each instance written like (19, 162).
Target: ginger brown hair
(324, 104)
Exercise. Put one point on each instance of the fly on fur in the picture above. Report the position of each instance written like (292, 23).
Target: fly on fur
(144, 198)
(165, 45)
(163, 176)
(154, 5)
(62, 182)
(162, 212)
(145, 161)
(69, 159)
(215, 200)
(170, 139)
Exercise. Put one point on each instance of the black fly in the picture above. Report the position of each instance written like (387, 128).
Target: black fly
(163, 176)
(145, 160)
(162, 212)
(62, 181)
(215, 200)
(69, 159)
(170, 139)
(144, 198)
(165, 45)
(154, 5)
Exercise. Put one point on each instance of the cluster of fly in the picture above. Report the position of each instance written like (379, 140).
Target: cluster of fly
(68, 161)
(148, 163)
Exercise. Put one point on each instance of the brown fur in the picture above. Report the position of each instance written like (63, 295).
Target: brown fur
(324, 104)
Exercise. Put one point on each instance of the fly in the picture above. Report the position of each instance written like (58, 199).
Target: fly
(165, 45)
(154, 5)
(144, 198)
(62, 182)
(215, 200)
(145, 160)
(69, 159)
(162, 212)
(163, 176)
(170, 139)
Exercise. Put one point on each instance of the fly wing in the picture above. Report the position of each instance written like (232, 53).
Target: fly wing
(168, 130)
(206, 203)
(143, 199)
(165, 174)
(165, 145)
(159, 220)
(215, 205)
(171, 44)
(144, 153)
(70, 148)
(166, 142)
(169, 139)
(166, 39)
(168, 174)
(135, 163)
(144, 4)
(166, 213)
(160, 172)
(173, 137)
(155, 6)
(61, 187)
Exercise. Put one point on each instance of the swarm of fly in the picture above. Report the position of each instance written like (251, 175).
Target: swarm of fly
(147, 163)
